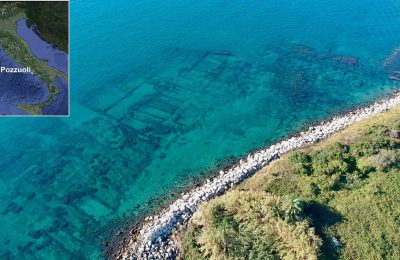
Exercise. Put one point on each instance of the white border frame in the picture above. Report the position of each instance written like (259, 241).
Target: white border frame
(69, 64)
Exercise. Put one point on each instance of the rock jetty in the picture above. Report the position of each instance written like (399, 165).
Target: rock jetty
(153, 238)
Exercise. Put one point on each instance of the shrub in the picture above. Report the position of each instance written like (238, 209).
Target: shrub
(250, 225)
(315, 190)
(377, 130)
(335, 158)
(293, 208)
(301, 162)
(369, 146)
(260, 225)
(365, 167)
(299, 157)
(384, 159)
(371, 230)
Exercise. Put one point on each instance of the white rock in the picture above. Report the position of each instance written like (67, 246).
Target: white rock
(179, 212)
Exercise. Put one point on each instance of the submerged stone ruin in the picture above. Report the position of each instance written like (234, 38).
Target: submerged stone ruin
(152, 240)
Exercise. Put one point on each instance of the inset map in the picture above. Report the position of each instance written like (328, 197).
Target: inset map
(34, 58)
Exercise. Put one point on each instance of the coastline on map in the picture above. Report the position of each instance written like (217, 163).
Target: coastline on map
(43, 50)
(25, 38)
(166, 93)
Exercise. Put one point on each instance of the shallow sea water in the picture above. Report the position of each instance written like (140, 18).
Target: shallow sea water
(166, 92)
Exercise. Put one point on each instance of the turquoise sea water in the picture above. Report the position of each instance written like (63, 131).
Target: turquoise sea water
(166, 91)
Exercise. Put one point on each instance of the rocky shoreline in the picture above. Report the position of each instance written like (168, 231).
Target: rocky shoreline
(152, 240)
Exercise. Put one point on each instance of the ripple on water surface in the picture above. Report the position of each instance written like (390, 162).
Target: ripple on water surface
(137, 134)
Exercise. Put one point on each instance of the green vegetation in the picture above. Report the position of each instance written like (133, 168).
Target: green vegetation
(251, 225)
(8, 9)
(339, 199)
(19, 51)
(35, 109)
(51, 21)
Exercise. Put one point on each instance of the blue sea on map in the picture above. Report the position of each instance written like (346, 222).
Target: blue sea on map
(43, 50)
(18, 88)
(166, 93)
(59, 104)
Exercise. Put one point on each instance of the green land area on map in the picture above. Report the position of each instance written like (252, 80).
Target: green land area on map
(26, 31)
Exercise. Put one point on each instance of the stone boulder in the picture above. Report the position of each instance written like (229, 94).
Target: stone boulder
(394, 134)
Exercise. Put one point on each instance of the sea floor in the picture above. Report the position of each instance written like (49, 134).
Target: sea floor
(151, 134)
(137, 136)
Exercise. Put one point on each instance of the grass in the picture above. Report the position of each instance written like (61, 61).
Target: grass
(347, 189)
(251, 225)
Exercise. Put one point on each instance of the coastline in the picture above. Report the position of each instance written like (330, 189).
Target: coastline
(152, 238)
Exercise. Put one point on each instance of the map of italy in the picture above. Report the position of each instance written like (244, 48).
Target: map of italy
(34, 58)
